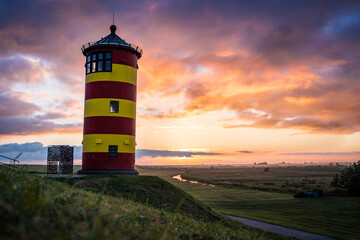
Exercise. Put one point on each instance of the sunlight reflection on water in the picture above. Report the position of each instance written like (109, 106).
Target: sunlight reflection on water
(178, 177)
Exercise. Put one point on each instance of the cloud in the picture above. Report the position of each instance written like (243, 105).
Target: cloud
(32, 151)
(24, 147)
(12, 106)
(322, 153)
(51, 115)
(20, 69)
(245, 151)
(30, 126)
(165, 153)
(36, 151)
(290, 65)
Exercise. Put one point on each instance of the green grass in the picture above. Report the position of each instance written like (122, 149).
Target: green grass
(145, 189)
(41, 168)
(330, 216)
(333, 216)
(279, 179)
(33, 207)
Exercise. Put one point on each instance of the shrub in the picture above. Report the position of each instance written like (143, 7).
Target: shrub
(349, 179)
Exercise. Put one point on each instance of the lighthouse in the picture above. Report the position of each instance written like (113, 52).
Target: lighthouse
(110, 106)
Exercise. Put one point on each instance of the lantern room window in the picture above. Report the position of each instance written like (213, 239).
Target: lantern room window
(98, 62)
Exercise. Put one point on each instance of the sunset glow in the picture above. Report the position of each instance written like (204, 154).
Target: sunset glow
(239, 82)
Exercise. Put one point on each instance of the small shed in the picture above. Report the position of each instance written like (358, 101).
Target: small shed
(60, 159)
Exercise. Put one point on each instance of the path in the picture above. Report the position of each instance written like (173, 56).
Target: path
(289, 232)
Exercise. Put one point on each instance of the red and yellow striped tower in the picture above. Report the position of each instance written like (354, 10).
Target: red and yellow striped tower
(110, 106)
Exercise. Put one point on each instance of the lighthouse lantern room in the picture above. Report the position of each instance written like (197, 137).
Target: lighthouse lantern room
(110, 106)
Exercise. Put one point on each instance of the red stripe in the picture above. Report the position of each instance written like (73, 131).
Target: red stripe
(110, 89)
(101, 161)
(109, 125)
(119, 55)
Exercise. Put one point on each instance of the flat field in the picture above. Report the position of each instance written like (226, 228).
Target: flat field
(236, 193)
(280, 179)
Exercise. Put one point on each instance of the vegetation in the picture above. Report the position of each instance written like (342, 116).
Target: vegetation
(279, 179)
(349, 179)
(330, 216)
(151, 190)
(33, 207)
(41, 168)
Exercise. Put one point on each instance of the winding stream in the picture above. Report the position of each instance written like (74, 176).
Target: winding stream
(178, 177)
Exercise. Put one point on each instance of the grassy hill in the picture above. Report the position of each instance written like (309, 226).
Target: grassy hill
(108, 207)
(149, 190)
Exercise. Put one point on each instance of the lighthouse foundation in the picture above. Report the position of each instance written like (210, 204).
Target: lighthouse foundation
(109, 171)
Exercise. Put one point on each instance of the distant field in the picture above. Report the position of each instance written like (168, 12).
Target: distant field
(331, 216)
(279, 179)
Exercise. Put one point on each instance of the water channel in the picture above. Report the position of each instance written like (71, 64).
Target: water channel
(178, 177)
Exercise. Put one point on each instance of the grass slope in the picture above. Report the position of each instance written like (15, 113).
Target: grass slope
(41, 208)
(151, 190)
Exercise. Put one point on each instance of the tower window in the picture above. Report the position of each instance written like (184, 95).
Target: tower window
(87, 68)
(100, 66)
(113, 151)
(108, 66)
(98, 62)
(114, 106)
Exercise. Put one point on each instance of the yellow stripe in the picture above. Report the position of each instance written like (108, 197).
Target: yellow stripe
(120, 73)
(101, 142)
(101, 107)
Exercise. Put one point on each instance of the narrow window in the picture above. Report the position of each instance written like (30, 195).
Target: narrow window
(100, 56)
(93, 68)
(88, 58)
(88, 68)
(94, 57)
(108, 55)
(114, 106)
(100, 66)
(108, 66)
(113, 151)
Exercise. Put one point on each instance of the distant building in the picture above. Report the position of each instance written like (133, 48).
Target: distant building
(262, 163)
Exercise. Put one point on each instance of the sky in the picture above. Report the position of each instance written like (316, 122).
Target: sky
(219, 82)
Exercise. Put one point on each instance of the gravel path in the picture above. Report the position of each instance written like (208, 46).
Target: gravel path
(289, 232)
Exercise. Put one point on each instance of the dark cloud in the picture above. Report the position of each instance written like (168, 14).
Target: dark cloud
(24, 147)
(29, 125)
(12, 106)
(245, 151)
(34, 151)
(158, 153)
(51, 115)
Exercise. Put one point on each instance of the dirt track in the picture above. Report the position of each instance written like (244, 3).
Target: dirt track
(289, 232)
